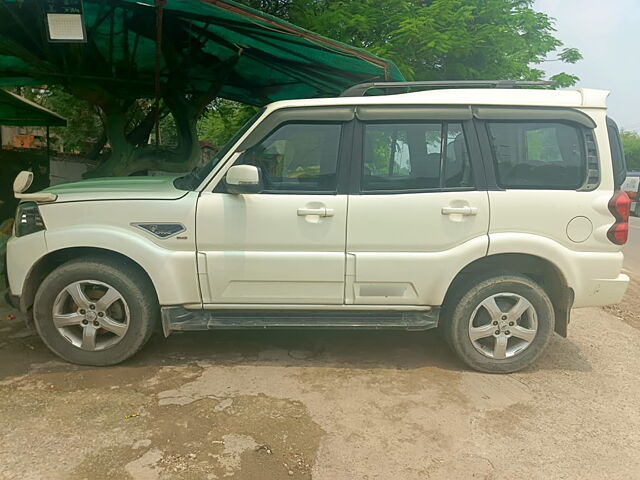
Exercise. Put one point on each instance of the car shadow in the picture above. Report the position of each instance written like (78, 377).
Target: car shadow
(341, 349)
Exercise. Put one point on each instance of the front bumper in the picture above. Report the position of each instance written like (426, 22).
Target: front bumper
(22, 254)
(12, 300)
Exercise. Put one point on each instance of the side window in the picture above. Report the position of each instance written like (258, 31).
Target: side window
(545, 155)
(415, 157)
(298, 157)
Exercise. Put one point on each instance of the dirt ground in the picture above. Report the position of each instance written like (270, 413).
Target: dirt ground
(629, 309)
(324, 405)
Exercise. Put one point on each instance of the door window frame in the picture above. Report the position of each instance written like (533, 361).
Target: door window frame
(343, 115)
(342, 160)
(339, 158)
(471, 139)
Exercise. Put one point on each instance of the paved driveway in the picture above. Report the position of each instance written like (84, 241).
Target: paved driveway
(323, 405)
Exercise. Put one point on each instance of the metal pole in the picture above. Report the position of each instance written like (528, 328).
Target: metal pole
(48, 158)
(48, 141)
(159, 10)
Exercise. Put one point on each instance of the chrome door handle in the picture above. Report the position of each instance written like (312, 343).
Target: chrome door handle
(321, 212)
(466, 211)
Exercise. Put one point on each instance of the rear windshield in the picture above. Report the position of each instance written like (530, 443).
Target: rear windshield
(617, 154)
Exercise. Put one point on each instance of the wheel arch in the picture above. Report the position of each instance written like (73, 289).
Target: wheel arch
(544, 272)
(49, 262)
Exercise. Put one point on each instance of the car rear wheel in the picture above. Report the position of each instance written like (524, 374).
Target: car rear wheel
(95, 312)
(499, 324)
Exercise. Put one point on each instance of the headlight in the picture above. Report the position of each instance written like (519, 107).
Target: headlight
(28, 219)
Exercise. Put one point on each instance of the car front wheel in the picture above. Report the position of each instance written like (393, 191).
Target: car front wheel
(499, 324)
(95, 312)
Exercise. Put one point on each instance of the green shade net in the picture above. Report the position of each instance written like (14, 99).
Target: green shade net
(18, 111)
(258, 58)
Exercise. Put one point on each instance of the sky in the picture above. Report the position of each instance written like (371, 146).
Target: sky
(607, 33)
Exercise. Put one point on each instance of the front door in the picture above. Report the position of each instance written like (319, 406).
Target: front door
(417, 216)
(285, 245)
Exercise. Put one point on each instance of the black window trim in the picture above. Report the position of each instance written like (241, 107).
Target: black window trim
(532, 114)
(473, 149)
(618, 160)
(489, 153)
(331, 114)
(415, 113)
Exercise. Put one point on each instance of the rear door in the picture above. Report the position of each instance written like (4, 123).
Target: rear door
(418, 212)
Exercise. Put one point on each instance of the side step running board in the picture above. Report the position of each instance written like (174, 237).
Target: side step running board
(181, 319)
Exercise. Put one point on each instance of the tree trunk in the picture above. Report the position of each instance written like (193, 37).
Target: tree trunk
(127, 158)
(139, 136)
(122, 151)
(185, 116)
(96, 149)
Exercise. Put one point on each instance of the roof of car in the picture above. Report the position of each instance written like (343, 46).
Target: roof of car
(575, 98)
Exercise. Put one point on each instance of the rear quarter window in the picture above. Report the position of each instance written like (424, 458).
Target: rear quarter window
(544, 155)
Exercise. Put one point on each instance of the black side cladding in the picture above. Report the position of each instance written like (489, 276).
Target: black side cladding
(617, 154)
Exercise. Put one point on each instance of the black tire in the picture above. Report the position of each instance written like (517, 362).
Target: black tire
(467, 297)
(129, 281)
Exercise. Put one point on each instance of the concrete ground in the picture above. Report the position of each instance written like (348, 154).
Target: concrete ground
(324, 405)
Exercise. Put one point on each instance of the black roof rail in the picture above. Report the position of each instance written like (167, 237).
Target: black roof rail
(362, 88)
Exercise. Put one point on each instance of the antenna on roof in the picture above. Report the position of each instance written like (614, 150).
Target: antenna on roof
(362, 88)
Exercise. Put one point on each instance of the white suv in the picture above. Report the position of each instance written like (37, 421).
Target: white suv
(488, 213)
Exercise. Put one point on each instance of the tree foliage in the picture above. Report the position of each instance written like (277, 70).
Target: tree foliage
(427, 39)
(114, 73)
(438, 39)
(631, 145)
(222, 119)
(84, 124)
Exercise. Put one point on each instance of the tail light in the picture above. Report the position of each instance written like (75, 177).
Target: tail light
(620, 207)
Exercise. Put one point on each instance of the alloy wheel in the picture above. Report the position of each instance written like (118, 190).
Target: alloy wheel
(91, 315)
(503, 325)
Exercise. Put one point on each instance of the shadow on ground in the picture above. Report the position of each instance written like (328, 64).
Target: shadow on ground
(349, 349)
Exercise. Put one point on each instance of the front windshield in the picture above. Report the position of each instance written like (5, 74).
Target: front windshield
(193, 179)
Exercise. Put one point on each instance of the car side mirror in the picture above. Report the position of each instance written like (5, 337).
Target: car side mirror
(22, 182)
(243, 179)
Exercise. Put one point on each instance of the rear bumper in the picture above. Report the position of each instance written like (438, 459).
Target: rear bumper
(602, 291)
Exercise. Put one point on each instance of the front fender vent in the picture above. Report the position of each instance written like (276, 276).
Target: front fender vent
(161, 230)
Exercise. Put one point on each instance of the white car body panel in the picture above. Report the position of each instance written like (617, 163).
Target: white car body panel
(170, 263)
(22, 254)
(258, 249)
(376, 250)
(406, 251)
(577, 98)
(132, 188)
(543, 222)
